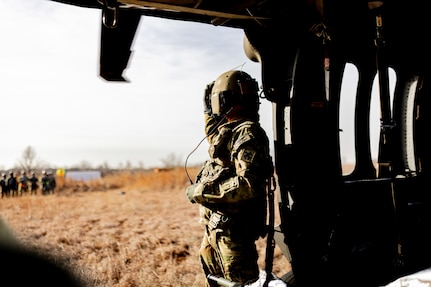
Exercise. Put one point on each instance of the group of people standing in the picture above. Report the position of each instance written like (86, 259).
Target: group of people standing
(14, 185)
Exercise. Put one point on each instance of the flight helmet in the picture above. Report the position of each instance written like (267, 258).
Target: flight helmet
(234, 88)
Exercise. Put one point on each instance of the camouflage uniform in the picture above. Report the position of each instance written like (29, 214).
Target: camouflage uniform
(231, 191)
(46, 183)
(4, 186)
(34, 183)
(12, 184)
(23, 183)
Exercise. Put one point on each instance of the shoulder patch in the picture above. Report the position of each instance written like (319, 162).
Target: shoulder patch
(248, 155)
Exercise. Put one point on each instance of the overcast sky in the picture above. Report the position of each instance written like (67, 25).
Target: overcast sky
(54, 101)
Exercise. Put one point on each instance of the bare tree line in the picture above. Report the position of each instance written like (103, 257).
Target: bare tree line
(29, 162)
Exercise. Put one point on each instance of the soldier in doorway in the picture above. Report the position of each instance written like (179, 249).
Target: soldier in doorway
(231, 187)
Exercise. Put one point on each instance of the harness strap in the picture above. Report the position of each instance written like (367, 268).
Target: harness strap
(270, 243)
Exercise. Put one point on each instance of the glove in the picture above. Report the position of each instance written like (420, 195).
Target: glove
(190, 193)
(207, 99)
(194, 192)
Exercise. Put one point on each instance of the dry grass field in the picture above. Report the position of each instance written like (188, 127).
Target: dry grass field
(128, 229)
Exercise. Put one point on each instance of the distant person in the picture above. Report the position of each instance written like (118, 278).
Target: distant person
(23, 183)
(34, 183)
(12, 184)
(4, 186)
(53, 182)
(231, 187)
(46, 183)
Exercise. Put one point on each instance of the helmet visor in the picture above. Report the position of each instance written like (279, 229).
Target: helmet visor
(216, 103)
(221, 102)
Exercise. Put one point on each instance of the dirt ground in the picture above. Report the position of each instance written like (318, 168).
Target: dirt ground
(145, 234)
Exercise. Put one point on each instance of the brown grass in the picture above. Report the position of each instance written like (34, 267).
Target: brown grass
(128, 229)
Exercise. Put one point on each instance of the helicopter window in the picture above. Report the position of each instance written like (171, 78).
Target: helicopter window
(346, 117)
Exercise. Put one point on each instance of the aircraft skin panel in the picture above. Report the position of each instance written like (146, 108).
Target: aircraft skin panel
(81, 3)
(180, 8)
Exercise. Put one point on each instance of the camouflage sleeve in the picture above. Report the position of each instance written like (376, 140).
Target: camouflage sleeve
(231, 190)
(245, 184)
